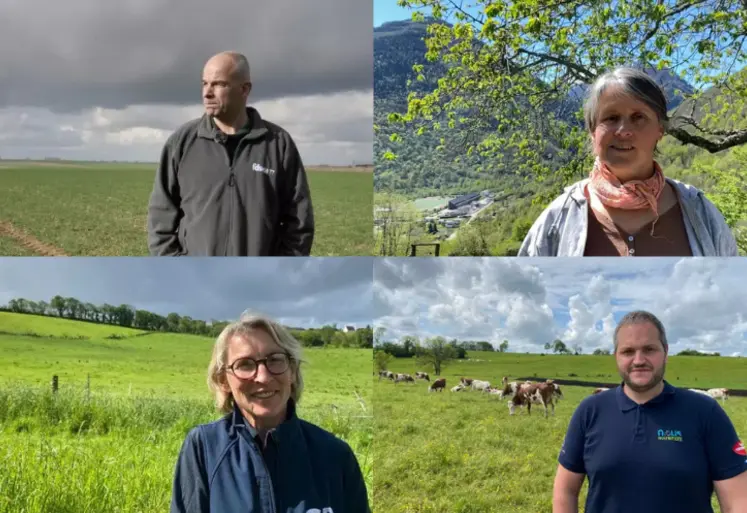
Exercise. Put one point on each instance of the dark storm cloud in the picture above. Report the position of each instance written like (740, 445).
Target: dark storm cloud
(319, 290)
(75, 54)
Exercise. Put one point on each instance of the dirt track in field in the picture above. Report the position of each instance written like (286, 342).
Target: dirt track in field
(28, 241)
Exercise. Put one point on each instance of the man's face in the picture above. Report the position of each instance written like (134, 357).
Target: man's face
(640, 356)
(223, 94)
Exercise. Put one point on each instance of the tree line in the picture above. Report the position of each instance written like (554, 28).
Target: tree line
(435, 353)
(128, 316)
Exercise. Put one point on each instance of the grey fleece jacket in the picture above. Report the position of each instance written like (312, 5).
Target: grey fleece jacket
(202, 205)
(561, 228)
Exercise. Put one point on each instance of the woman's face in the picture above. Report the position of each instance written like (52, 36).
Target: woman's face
(626, 134)
(262, 395)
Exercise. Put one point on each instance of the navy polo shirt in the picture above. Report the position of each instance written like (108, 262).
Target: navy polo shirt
(658, 457)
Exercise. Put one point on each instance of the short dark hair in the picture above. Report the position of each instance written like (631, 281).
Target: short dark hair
(640, 317)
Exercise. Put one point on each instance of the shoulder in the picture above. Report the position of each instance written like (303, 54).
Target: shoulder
(552, 218)
(275, 132)
(183, 133)
(692, 196)
(593, 405)
(209, 433)
(684, 190)
(321, 440)
(704, 212)
(186, 129)
(694, 401)
(572, 197)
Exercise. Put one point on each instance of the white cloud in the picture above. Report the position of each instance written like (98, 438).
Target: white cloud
(531, 302)
(334, 129)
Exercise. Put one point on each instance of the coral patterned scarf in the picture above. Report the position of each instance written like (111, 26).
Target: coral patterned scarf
(632, 195)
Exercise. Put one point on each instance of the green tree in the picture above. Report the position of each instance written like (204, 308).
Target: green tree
(503, 347)
(381, 360)
(58, 303)
(511, 64)
(395, 222)
(435, 353)
(558, 346)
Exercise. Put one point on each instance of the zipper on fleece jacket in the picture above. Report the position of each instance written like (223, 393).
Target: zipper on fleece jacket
(231, 185)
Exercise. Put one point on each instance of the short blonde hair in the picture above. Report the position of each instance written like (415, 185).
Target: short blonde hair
(248, 323)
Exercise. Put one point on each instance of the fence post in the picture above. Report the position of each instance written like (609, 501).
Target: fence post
(55, 383)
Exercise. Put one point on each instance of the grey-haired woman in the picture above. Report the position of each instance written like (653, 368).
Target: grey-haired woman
(627, 207)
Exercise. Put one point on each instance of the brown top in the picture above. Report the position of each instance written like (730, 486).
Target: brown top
(604, 238)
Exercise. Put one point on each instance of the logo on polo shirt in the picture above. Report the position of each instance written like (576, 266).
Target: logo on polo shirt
(317, 510)
(261, 169)
(739, 449)
(669, 435)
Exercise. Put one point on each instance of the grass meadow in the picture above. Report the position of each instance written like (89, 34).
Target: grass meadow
(463, 453)
(113, 446)
(100, 209)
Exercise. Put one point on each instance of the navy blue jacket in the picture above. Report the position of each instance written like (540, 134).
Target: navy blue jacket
(222, 468)
(658, 457)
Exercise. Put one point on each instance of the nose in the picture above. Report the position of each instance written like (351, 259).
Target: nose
(262, 375)
(624, 129)
(638, 359)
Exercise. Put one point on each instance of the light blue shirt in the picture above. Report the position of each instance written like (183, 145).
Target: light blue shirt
(561, 229)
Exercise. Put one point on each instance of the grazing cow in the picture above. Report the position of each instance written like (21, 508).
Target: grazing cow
(422, 375)
(457, 388)
(556, 392)
(719, 393)
(599, 390)
(465, 381)
(403, 377)
(386, 374)
(702, 392)
(483, 386)
(439, 385)
(539, 393)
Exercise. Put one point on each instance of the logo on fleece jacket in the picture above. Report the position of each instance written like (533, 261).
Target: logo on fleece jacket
(261, 169)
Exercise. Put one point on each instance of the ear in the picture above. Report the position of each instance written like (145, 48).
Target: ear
(247, 88)
(223, 380)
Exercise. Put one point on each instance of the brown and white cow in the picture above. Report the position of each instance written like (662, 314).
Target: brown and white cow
(539, 393)
(599, 390)
(422, 375)
(465, 381)
(458, 388)
(719, 393)
(438, 384)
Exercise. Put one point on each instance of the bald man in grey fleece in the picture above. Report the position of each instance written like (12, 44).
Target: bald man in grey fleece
(230, 183)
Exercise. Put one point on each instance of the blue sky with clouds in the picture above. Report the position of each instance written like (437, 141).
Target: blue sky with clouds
(532, 301)
(301, 292)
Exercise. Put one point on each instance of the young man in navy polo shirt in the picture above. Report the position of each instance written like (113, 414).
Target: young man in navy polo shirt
(646, 446)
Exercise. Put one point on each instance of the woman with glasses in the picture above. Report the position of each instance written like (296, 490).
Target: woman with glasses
(260, 457)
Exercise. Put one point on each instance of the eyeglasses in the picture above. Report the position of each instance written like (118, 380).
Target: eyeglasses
(246, 368)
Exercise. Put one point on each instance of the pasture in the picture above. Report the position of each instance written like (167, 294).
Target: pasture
(462, 452)
(113, 448)
(100, 209)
